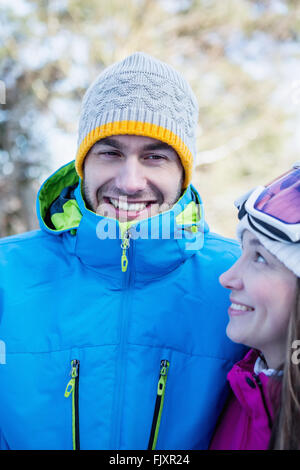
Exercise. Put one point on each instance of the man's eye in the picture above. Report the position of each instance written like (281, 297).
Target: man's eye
(155, 157)
(110, 154)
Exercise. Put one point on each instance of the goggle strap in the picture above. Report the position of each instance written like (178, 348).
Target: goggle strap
(242, 211)
(277, 233)
(260, 231)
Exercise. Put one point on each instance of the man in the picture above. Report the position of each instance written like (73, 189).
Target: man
(112, 315)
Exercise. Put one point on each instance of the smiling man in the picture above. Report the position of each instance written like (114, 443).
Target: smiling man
(115, 339)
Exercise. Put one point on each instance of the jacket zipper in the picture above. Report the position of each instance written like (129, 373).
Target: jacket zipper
(73, 388)
(125, 245)
(258, 381)
(159, 403)
(127, 281)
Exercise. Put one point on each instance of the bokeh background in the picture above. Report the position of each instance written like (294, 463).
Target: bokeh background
(241, 58)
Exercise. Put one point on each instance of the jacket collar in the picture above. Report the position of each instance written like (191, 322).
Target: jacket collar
(252, 390)
(157, 245)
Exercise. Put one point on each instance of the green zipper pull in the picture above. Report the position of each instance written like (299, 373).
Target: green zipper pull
(72, 388)
(125, 245)
(162, 377)
(161, 389)
(73, 374)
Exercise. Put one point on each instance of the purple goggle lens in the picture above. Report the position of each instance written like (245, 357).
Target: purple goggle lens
(281, 198)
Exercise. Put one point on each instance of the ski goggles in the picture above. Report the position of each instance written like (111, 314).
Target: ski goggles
(274, 209)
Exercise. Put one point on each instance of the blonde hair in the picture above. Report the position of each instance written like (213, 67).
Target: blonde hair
(286, 428)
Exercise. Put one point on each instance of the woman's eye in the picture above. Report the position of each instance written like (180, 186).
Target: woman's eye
(259, 258)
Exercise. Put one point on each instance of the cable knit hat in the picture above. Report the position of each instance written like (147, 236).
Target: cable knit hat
(286, 252)
(142, 96)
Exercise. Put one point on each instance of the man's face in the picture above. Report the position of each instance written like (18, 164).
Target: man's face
(131, 177)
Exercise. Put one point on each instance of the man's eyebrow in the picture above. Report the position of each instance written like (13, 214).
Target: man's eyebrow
(109, 141)
(158, 146)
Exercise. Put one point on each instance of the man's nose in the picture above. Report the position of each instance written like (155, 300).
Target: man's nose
(232, 278)
(131, 177)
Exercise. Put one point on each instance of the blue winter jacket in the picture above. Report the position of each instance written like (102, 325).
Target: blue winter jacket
(110, 347)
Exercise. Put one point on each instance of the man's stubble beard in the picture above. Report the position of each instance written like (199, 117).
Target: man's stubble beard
(86, 196)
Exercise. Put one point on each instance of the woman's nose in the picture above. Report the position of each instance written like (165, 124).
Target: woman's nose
(232, 278)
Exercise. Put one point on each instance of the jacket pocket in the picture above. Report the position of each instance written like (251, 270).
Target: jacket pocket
(159, 403)
(73, 390)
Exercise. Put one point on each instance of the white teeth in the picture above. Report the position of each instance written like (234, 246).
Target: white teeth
(240, 307)
(125, 206)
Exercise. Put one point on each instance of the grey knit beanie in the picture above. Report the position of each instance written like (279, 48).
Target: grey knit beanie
(142, 96)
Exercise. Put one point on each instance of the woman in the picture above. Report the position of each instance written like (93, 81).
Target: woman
(263, 410)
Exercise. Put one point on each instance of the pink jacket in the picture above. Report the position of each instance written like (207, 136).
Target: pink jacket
(247, 419)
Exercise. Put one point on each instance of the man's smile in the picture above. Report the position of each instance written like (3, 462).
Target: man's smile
(125, 209)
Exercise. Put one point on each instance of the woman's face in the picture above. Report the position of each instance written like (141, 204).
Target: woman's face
(262, 296)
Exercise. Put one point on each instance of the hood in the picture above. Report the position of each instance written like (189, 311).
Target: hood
(154, 246)
(59, 210)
